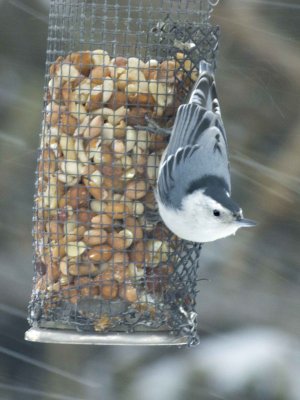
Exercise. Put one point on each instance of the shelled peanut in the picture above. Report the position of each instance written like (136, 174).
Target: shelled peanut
(96, 173)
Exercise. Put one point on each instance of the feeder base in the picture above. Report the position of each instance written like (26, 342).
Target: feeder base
(116, 339)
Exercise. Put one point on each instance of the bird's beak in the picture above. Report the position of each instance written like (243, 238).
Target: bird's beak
(245, 223)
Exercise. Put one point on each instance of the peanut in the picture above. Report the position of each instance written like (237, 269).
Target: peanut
(95, 237)
(101, 253)
(120, 273)
(96, 175)
(70, 293)
(83, 269)
(116, 210)
(67, 146)
(152, 167)
(120, 61)
(78, 196)
(100, 57)
(138, 254)
(47, 162)
(128, 293)
(131, 137)
(75, 234)
(99, 193)
(108, 287)
(101, 221)
(66, 72)
(82, 61)
(120, 240)
(117, 100)
(98, 74)
(85, 288)
(133, 225)
(55, 230)
(119, 258)
(94, 127)
(84, 216)
(136, 190)
(117, 116)
(81, 92)
(75, 249)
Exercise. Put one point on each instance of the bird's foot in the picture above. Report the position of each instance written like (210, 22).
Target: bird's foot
(153, 127)
(152, 216)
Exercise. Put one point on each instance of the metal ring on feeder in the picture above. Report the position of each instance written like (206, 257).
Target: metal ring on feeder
(107, 270)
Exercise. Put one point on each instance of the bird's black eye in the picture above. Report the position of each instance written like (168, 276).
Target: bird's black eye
(217, 213)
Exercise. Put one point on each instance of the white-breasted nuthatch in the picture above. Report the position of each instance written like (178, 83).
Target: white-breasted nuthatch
(193, 184)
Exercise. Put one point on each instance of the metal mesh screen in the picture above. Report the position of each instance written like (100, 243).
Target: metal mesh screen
(103, 259)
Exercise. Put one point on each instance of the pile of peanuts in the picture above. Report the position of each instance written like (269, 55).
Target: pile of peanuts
(96, 173)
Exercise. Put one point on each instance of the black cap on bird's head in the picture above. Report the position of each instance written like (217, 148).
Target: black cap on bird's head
(216, 189)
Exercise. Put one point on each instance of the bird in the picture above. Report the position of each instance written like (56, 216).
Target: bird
(193, 188)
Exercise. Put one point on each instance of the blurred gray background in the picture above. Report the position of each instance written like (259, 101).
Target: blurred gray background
(249, 302)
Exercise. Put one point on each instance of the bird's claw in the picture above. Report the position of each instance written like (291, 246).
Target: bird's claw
(153, 127)
(152, 216)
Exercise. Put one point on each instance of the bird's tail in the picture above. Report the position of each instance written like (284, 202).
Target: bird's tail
(204, 92)
(205, 67)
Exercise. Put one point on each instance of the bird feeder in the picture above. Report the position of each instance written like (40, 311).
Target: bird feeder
(107, 270)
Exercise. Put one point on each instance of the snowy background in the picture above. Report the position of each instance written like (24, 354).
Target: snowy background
(249, 302)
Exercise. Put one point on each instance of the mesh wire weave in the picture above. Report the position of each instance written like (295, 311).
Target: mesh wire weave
(103, 259)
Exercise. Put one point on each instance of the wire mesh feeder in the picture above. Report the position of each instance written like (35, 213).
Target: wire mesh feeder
(107, 271)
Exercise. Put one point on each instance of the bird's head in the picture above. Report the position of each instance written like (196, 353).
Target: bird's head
(213, 214)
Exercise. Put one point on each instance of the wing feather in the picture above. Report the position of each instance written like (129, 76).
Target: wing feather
(197, 148)
(190, 123)
(198, 145)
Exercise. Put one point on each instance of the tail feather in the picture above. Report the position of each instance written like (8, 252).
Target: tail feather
(206, 67)
(204, 93)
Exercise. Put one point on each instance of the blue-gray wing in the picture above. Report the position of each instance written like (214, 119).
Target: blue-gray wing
(197, 151)
(191, 122)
